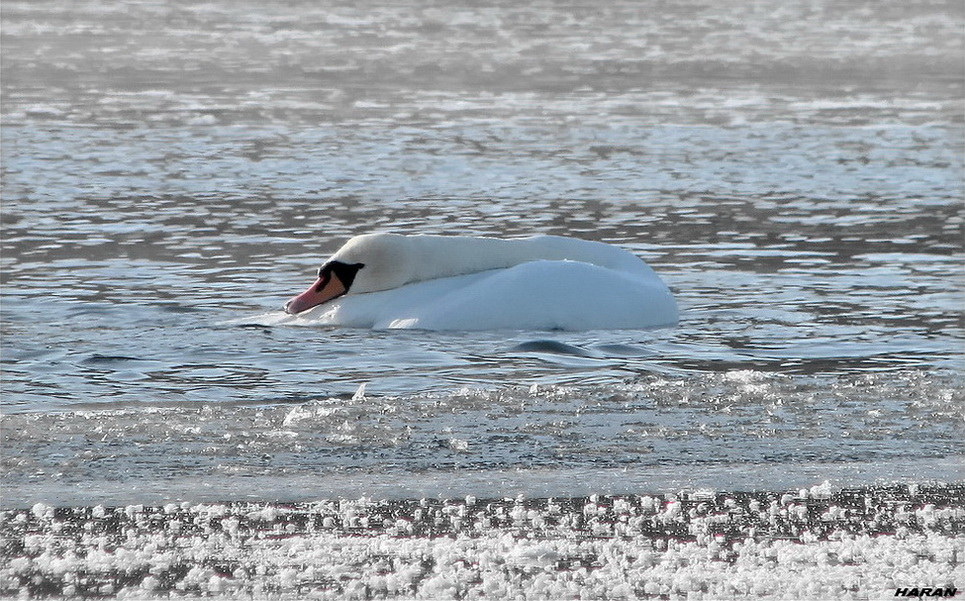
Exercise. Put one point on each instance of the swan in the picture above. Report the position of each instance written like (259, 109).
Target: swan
(436, 282)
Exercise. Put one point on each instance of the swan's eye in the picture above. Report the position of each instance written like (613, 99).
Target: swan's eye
(324, 275)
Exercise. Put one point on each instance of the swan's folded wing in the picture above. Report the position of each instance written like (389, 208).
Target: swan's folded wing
(544, 295)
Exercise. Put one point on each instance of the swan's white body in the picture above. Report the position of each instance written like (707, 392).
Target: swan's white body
(463, 283)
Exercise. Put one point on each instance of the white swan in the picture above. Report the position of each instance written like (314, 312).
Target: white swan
(465, 283)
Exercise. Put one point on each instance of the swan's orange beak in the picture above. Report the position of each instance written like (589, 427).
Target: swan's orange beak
(323, 290)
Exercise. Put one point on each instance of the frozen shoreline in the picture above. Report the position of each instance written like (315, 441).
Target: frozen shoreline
(806, 544)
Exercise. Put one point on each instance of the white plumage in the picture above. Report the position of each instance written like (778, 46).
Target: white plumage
(469, 283)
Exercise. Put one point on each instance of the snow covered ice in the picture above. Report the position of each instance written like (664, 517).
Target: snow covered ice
(813, 543)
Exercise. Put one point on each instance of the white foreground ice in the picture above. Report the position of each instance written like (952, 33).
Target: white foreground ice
(809, 544)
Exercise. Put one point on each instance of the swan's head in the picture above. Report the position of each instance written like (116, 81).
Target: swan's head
(365, 264)
(334, 279)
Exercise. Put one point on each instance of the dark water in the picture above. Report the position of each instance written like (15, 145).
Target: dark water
(173, 172)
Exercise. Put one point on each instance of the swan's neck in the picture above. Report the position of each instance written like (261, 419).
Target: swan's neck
(398, 260)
